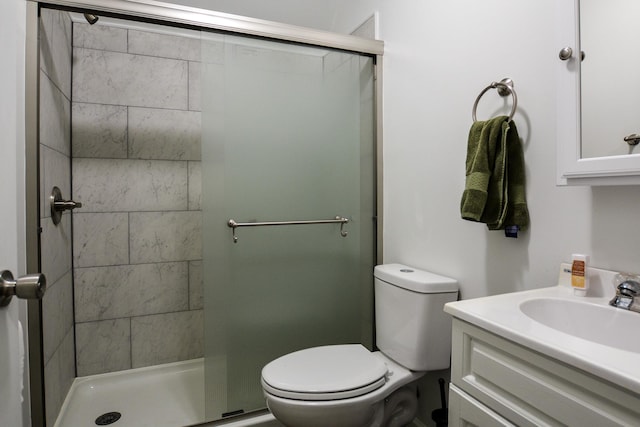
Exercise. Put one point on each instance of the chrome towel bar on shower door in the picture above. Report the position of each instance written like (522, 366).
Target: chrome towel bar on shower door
(337, 220)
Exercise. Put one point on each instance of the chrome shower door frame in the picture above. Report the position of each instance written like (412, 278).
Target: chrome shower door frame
(170, 14)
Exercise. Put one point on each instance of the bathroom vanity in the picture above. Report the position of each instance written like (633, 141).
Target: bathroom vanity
(545, 357)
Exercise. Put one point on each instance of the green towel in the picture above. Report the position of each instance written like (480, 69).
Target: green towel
(495, 181)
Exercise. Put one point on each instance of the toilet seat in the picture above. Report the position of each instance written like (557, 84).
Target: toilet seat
(325, 373)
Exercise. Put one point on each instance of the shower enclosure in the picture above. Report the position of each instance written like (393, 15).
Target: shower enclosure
(227, 173)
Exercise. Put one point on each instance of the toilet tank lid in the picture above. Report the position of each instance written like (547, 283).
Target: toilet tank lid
(414, 279)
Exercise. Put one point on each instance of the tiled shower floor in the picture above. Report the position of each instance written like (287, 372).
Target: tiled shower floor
(168, 395)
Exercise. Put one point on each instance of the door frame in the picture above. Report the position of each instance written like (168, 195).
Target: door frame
(32, 210)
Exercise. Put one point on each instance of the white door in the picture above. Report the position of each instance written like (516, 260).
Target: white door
(12, 40)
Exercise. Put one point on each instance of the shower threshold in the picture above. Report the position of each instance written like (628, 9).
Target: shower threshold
(169, 395)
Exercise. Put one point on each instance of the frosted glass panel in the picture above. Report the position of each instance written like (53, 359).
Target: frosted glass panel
(287, 135)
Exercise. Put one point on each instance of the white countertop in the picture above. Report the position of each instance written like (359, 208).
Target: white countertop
(501, 315)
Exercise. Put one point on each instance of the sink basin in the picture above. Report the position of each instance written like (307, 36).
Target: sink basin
(604, 325)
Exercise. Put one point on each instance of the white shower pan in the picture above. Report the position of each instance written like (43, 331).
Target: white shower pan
(169, 395)
(163, 395)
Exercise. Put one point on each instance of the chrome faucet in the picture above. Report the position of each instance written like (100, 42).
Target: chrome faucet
(625, 295)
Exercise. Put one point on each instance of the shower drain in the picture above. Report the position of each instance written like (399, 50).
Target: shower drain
(108, 418)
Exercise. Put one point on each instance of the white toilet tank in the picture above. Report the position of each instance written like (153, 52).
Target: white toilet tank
(411, 326)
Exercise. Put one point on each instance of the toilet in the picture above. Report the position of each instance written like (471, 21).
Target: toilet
(349, 386)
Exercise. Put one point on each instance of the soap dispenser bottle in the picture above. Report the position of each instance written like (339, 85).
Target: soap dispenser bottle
(579, 275)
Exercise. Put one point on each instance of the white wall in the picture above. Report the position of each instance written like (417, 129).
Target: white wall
(307, 13)
(438, 57)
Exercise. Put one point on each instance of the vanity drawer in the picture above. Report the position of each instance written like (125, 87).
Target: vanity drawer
(530, 389)
(465, 411)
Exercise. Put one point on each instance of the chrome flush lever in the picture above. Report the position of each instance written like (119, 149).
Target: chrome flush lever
(58, 205)
(632, 139)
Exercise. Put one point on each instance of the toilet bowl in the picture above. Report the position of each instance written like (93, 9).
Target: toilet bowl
(349, 386)
(346, 384)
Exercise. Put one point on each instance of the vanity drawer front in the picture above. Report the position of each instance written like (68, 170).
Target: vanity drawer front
(465, 411)
(528, 388)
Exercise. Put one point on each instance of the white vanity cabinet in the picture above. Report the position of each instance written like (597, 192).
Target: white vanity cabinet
(496, 382)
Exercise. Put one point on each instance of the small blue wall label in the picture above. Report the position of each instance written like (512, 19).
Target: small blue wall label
(511, 231)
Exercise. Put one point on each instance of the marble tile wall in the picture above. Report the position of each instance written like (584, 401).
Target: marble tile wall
(55, 164)
(136, 169)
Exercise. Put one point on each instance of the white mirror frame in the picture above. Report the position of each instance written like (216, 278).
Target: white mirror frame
(571, 169)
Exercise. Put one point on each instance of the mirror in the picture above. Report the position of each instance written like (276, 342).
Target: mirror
(609, 76)
(597, 97)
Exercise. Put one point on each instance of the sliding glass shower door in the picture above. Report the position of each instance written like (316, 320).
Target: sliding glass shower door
(288, 135)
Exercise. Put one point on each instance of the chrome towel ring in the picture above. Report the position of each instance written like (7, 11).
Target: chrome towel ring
(505, 88)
